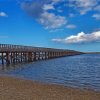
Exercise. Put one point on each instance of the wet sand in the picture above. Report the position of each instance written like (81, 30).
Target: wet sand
(20, 89)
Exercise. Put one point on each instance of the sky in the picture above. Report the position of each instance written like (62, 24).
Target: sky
(64, 24)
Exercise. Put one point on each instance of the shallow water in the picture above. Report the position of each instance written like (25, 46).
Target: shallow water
(82, 71)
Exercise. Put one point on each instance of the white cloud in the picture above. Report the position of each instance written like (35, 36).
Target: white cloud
(3, 14)
(48, 7)
(97, 16)
(83, 6)
(71, 15)
(80, 38)
(86, 3)
(56, 30)
(71, 26)
(84, 11)
(97, 8)
(52, 21)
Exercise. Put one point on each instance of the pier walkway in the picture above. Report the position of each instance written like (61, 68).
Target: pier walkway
(17, 53)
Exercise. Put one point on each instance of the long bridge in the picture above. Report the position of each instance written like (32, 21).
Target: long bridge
(12, 54)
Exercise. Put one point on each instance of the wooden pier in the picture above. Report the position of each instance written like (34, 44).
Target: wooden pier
(12, 54)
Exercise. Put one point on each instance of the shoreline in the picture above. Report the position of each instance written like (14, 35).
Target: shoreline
(21, 89)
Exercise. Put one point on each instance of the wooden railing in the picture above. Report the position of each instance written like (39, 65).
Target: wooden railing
(18, 53)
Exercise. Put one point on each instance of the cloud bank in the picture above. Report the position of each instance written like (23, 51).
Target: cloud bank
(50, 13)
(40, 11)
(80, 38)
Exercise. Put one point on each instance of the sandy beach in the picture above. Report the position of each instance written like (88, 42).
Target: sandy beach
(20, 89)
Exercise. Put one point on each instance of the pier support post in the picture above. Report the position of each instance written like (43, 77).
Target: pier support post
(11, 57)
(29, 56)
(2, 57)
(21, 57)
(14, 57)
(8, 58)
(34, 56)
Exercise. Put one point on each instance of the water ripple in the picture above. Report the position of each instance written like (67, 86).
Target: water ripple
(82, 71)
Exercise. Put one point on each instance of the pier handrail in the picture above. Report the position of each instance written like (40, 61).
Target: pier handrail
(10, 47)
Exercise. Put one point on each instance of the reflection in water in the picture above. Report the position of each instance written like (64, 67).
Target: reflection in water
(4, 68)
(81, 71)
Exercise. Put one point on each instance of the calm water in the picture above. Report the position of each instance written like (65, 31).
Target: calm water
(82, 71)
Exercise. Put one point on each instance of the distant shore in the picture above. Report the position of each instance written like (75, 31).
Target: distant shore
(92, 52)
(19, 89)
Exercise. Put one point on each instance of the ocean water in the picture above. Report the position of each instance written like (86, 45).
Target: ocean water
(80, 71)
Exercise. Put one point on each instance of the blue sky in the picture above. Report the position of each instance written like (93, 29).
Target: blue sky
(66, 24)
